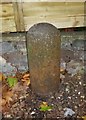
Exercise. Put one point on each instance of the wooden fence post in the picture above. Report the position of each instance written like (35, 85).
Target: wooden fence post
(18, 15)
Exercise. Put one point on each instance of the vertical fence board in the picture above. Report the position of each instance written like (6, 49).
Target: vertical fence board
(18, 15)
(7, 18)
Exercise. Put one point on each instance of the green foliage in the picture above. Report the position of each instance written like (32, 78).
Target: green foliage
(45, 108)
(12, 81)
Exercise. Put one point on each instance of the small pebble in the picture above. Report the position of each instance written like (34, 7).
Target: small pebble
(83, 96)
(68, 112)
(75, 90)
(80, 83)
(32, 113)
(67, 90)
(58, 97)
(52, 97)
(69, 97)
(76, 107)
(79, 77)
(79, 93)
(52, 104)
(8, 116)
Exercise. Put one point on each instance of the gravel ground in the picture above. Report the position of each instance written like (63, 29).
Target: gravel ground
(26, 104)
(71, 94)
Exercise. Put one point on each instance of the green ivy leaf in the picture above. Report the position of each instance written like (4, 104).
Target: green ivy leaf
(45, 108)
(12, 81)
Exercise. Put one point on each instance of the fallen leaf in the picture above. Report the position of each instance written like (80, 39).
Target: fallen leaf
(0, 104)
(2, 77)
(25, 79)
(3, 102)
(8, 96)
(28, 82)
(45, 107)
(12, 81)
(4, 89)
(63, 71)
(44, 104)
(26, 76)
(84, 117)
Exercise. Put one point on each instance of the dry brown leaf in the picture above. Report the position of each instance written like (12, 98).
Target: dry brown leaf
(84, 117)
(63, 71)
(4, 89)
(44, 104)
(8, 96)
(2, 77)
(26, 81)
(3, 102)
(26, 75)
(5, 108)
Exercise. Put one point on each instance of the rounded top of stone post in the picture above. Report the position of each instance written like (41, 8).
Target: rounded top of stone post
(43, 28)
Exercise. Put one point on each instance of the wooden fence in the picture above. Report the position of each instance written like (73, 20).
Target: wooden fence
(20, 16)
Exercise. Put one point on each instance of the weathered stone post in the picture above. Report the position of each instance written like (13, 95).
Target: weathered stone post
(43, 44)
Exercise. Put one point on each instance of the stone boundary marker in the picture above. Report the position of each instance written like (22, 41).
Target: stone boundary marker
(43, 44)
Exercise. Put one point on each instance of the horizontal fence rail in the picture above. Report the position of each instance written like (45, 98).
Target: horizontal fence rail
(20, 16)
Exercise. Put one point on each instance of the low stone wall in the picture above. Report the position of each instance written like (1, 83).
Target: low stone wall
(13, 53)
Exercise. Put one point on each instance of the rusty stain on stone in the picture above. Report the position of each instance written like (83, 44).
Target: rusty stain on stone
(43, 44)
